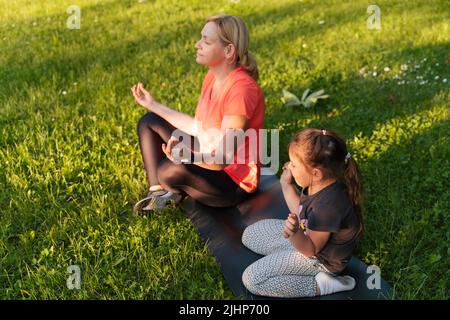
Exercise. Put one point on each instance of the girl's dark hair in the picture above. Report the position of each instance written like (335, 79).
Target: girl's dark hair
(328, 151)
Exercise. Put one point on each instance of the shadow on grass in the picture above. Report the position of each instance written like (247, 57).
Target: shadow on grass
(406, 213)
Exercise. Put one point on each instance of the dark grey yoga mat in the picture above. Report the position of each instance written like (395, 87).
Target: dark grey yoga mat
(222, 228)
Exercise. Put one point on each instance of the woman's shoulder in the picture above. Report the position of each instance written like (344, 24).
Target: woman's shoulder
(243, 83)
(241, 75)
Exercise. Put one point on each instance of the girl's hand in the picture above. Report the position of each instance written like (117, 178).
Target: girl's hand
(291, 225)
(142, 96)
(168, 149)
(286, 176)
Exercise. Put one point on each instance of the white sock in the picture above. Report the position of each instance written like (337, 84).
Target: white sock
(155, 187)
(329, 284)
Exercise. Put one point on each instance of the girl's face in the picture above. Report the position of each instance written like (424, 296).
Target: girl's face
(210, 50)
(303, 175)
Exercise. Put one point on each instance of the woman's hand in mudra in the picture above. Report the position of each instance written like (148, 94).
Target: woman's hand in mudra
(142, 96)
(167, 149)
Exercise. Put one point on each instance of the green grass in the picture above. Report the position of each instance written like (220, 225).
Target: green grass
(70, 163)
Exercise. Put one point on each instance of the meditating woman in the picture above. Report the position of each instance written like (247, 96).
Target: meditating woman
(230, 100)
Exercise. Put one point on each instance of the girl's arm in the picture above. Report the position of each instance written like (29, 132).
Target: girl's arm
(290, 194)
(308, 244)
(311, 243)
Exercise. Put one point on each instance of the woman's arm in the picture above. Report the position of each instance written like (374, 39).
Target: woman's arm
(230, 123)
(179, 120)
(226, 134)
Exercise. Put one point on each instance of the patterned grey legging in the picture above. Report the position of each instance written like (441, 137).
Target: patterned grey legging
(283, 272)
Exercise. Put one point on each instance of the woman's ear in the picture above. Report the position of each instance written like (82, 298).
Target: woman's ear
(230, 51)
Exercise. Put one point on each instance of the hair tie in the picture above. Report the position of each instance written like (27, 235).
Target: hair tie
(348, 156)
(324, 132)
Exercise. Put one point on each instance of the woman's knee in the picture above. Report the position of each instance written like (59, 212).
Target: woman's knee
(170, 174)
(148, 120)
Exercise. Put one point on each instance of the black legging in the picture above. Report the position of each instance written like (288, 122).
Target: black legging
(211, 187)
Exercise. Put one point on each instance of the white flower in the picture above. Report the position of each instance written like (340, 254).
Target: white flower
(444, 80)
(437, 64)
(374, 74)
(321, 22)
(401, 82)
(75, 83)
(387, 69)
(304, 45)
(362, 70)
(404, 67)
(34, 24)
(375, 68)
(437, 77)
(64, 92)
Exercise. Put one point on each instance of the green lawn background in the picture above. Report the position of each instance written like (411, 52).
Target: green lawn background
(70, 167)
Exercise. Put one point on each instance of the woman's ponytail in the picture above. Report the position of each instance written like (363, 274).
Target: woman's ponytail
(249, 64)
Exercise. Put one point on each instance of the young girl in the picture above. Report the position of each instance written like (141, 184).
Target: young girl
(305, 253)
(230, 100)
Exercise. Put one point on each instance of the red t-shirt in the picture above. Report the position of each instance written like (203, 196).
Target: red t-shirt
(239, 95)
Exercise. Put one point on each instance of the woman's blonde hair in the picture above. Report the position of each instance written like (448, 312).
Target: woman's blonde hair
(232, 30)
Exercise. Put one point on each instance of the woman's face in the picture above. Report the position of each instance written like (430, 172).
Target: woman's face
(302, 175)
(210, 50)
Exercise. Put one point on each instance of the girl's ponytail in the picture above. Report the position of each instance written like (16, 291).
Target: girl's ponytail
(353, 181)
